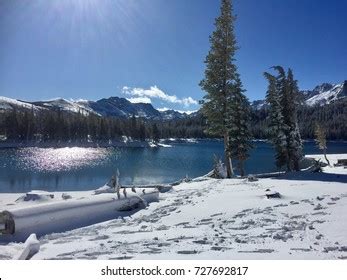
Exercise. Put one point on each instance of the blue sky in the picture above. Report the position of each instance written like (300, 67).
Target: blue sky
(153, 50)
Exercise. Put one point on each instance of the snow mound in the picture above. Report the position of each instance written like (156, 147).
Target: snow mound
(31, 248)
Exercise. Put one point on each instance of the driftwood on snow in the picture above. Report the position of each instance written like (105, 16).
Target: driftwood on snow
(161, 187)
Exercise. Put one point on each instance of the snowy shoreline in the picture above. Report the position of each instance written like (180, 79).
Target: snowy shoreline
(82, 144)
(218, 219)
(120, 143)
(126, 142)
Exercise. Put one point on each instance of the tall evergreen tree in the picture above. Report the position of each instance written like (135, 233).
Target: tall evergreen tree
(295, 145)
(277, 127)
(238, 125)
(283, 96)
(219, 78)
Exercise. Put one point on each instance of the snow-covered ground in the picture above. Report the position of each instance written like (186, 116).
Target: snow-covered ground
(219, 219)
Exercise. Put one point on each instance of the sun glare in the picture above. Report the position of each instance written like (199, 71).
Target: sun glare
(89, 20)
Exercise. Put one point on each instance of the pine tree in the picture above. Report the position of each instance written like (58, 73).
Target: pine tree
(237, 126)
(220, 77)
(277, 127)
(321, 140)
(295, 145)
(284, 90)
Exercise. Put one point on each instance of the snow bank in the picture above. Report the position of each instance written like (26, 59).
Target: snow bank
(31, 247)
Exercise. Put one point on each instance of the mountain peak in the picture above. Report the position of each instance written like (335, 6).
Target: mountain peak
(323, 87)
(322, 94)
(325, 94)
(108, 107)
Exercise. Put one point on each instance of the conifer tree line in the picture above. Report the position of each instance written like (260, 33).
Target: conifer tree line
(49, 125)
(61, 126)
(283, 99)
(332, 117)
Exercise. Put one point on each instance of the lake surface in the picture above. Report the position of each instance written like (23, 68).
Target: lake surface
(67, 169)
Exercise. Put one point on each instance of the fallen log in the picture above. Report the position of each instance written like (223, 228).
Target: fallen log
(18, 223)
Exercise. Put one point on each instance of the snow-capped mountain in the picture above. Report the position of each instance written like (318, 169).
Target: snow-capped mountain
(10, 104)
(173, 115)
(321, 95)
(113, 106)
(64, 105)
(325, 94)
(258, 104)
(121, 107)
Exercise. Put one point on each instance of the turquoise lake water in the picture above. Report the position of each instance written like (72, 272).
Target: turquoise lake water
(67, 169)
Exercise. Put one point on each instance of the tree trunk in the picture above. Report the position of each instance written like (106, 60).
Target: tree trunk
(228, 163)
(296, 165)
(289, 169)
(325, 156)
(289, 161)
(242, 167)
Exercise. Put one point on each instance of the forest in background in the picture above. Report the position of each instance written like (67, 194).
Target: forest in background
(51, 125)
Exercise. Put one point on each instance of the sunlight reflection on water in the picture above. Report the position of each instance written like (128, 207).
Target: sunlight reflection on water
(67, 169)
(62, 159)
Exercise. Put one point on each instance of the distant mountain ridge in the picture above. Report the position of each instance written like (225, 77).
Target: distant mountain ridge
(106, 107)
(321, 95)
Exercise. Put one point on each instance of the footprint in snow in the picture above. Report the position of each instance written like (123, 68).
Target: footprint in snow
(262, 251)
(188, 252)
(301, 249)
(102, 237)
(281, 205)
(217, 214)
(182, 224)
(122, 258)
(294, 203)
(163, 227)
(202, 242)
(319, 213)
(319, 207)
(71, 253)
(330, 249)
(319, 236)
(220, 248)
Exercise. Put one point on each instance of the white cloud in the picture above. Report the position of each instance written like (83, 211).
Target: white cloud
(155, 92)
(139, 100)
(188, 101)
(163, 109)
